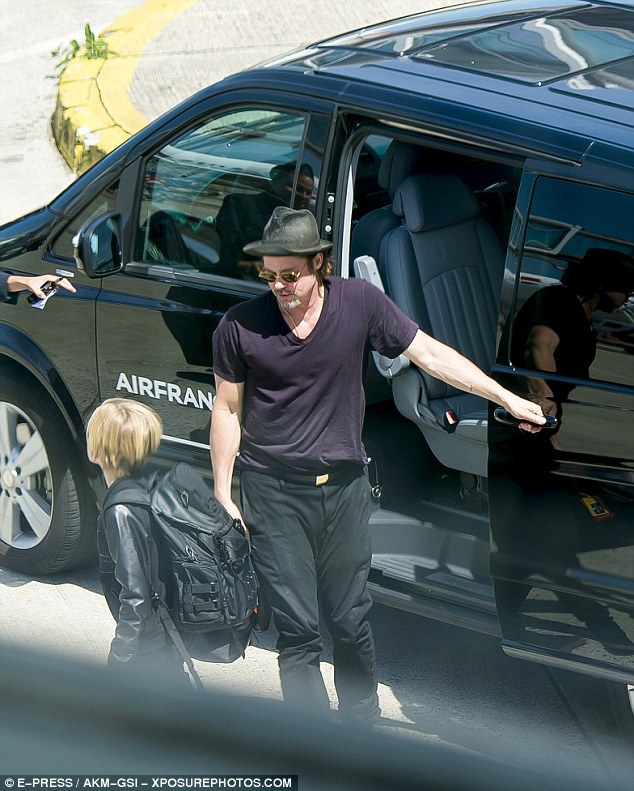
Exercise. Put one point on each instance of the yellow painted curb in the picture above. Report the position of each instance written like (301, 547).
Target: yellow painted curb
(94, 113)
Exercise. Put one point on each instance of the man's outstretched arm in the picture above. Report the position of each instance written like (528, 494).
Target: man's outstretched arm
(443, 362)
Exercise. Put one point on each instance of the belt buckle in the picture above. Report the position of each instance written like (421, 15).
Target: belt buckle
(320, 480)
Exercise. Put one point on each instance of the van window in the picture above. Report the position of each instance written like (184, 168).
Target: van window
(211, 191)
(567, 220)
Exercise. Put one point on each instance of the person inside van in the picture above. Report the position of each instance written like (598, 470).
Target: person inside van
(242, 216)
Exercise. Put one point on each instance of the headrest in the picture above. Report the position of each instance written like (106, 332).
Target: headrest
(400, 161)
(434, 200)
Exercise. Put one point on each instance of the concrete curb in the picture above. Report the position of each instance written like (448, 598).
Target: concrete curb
(94, 113)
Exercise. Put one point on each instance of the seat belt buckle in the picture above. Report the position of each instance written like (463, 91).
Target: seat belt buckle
(450, 421)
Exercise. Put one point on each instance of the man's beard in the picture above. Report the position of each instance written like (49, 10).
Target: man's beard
(294, 303)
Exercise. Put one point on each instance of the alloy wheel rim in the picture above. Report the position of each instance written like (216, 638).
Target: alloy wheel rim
(26, 482)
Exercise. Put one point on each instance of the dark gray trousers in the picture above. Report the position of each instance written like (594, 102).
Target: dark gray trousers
(312, 552)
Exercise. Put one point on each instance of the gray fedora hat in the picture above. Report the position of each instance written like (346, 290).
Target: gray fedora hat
(289, 232)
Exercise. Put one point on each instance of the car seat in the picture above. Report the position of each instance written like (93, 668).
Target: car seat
(443, 266)
(399, 161)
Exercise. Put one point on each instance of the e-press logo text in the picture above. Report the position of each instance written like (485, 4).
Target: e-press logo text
(155, 388)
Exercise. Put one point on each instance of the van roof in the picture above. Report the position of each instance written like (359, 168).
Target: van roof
(507, 57)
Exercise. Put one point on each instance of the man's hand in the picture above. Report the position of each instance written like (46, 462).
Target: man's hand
(234, 512)
(232, 509)
(526, 411)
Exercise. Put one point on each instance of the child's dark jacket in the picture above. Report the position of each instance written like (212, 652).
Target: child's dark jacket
(129, 569)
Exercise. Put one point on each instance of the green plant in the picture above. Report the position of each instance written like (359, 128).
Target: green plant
(94, 47)
(65, 54)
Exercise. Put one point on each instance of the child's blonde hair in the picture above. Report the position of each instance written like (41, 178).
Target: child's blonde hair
(122, 434)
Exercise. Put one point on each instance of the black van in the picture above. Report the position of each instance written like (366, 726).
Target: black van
(463, 160)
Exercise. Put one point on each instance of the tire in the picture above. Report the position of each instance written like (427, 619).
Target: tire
(47, 512)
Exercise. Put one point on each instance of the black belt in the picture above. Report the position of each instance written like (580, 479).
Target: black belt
(342, 473)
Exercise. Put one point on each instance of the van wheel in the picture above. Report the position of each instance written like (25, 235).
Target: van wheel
(621, 697)
(47, 521)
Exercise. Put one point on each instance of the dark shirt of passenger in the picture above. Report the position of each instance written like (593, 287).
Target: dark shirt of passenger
(558, 308)
(241, 220)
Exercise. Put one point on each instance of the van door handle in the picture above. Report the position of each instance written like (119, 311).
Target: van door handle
(505, 417)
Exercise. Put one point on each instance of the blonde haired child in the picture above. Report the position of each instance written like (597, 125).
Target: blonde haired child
(121, 436)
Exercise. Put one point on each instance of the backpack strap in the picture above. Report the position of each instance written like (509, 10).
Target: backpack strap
(172, 631)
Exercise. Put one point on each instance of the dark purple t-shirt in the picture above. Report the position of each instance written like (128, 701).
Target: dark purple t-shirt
(303, 399)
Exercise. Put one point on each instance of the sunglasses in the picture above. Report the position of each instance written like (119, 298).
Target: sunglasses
(288, 275)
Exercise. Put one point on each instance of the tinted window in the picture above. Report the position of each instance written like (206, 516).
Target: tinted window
(211, 191)
(566, 221)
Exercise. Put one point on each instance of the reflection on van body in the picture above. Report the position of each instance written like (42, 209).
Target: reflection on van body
(565, 573)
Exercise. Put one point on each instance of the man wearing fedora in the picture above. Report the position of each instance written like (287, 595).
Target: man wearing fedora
(290, 400)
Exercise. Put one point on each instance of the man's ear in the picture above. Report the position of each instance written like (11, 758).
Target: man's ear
(318, 260)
